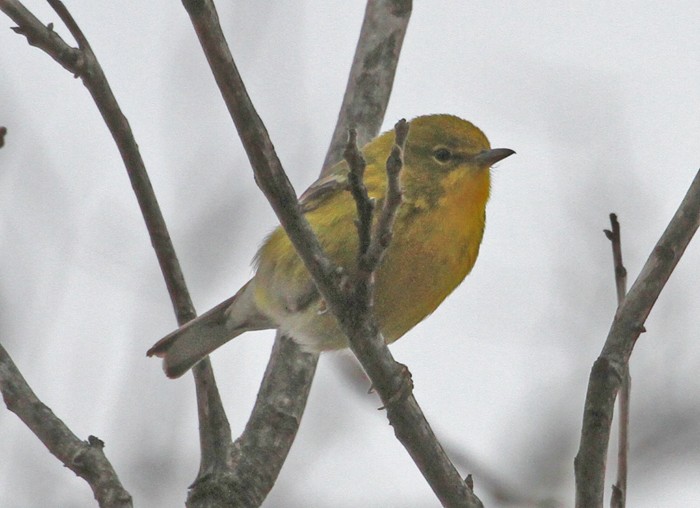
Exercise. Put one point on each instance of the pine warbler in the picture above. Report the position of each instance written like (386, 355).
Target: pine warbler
(445, 182)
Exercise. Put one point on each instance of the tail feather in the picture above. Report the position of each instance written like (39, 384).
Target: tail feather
(190, 343)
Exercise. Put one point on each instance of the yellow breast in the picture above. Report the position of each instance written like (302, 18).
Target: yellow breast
(433, 249)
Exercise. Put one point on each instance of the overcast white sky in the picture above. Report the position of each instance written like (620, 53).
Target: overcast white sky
(601, 101)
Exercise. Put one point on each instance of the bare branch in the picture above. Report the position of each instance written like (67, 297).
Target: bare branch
(43, 37)
(608, 370)
(613, 235)
(273, 424)
(387, 376)
(287, 361)
(372, 74)
(267, 167)
(619, 497)
(83, 63)
(85, 458)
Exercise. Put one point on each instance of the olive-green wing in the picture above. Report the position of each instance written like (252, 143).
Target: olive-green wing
(325, 187)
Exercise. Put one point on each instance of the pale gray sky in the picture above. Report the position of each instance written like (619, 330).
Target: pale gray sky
(600, 100)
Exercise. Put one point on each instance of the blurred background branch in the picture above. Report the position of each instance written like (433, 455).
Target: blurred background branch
(608, 370)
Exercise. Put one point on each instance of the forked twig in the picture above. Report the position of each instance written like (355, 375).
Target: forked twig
(390, 379)
(83, 63)
(608, 370)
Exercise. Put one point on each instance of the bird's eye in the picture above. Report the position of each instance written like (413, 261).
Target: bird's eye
(442, 155)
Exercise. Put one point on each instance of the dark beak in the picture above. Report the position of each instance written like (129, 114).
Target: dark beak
(488, 158)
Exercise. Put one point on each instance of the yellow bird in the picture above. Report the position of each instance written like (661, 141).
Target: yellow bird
(438, 230)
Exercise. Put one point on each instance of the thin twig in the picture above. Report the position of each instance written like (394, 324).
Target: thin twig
(613, 235)
(82, 62)
(372, 257)
(42, 36)
(619, 496)
(214, 430)
(390, 379)
(269, 174)
(68, 20)
(252, 483)
(608, 370)
(85, 458)
(364, 204)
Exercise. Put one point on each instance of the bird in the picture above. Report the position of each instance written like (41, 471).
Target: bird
(445, 184)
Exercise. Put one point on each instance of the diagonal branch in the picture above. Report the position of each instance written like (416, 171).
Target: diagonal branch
(267, 167)
(85, 458)
(260, 451)
(628, 324)
(82, 62)
(619, 496)
(387, 376)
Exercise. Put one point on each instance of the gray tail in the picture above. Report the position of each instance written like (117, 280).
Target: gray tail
(190, 343)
